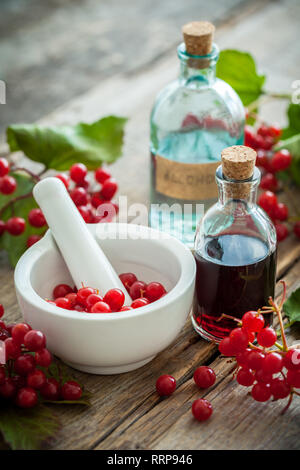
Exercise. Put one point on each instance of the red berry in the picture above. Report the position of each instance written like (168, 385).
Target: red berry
(125, 308)
(226, 348)
(84, 293)
(2, 375)
(63, 302)
(281, 160)
(32, 239)
(137, 289)
(201, 409)
(245, 377)
(61, 290)
(297, 229)
(293, 378)
(281, 231)
(72, 297)
(15, 225)
(36, 379)
(79, 196)
(92, 300)
(154, 291)
(266, 143)
(1, 310)
(165, 385)
(281, 211)
(2, 227)
(115, 298)
(263, 130)
(7, 185)
(85, 213)
(101, 307)
(291, 359)
(268, 201)
(250, 138)
(142, 302)
(261, 392)
(64, 179)
(50, 391)
(242, 358)
(128, 279)
(71, 390)
(109, 189)
(43, 358)
(12, 349)
(96, 200)
(102, 175)
(8, 388)
(279, 388)
(204, 377)
(239, 339)
(35, 340)
(275, 131)
(263, 376)
(26, 397)
(78, 172)
(255, 360)
(19, 381)
(24, 364)
(267, 337)
(19, 331)
(4, 334)
(263, 161)
(36, 218)
(269, 182)
(4, 167)
(273, 363)
(253, 321)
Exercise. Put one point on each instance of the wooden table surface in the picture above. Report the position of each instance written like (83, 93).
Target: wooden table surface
(126, 412)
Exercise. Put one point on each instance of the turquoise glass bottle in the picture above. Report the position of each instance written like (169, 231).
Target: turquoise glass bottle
(193, 119)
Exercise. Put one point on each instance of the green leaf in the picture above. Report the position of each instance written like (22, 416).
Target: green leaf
(291, 306)
(58, 147)
(15, 246)
(27, 429)
(238, 69)
(293, 113)
(293, 145)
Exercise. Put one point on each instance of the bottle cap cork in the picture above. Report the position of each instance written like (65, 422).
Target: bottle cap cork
(238, 163)
(198, 37)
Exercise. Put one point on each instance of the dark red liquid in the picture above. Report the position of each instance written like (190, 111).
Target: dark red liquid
(235, 273)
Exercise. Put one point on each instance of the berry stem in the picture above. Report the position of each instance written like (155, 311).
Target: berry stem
(224, 315)
(267, 96)
(12, 201)
(277, 309)
(25, 170)
(288, 403)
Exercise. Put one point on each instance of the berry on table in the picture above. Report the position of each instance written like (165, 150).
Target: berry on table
(36, 379)
(267, 337)
(165, 385)
(245, 377)
(253, 321)
(26, 397)
(291, 359)
(43, 358)
(50, 390)
(272, 363)
(12, 349)
(293, 378)
(226, 348)
(35, 340)
(202, 409)
(15, 225)
(281, 160)
(239, 339)
(255, 360)
(279, 388)
(261, 392)
(204, 377)
(268, 201)
(71, 390)
(24, 364)
(19, 331)
(1, 310)
(281, 211)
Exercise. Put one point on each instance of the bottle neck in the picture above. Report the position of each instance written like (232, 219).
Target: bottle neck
(198, 69)
(232, 191)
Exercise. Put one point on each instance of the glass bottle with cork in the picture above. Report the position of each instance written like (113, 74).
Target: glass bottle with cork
(193, 119)
(235, 249)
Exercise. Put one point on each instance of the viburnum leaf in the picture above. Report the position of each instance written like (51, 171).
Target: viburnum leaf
(16, 245)
(293, 145)
(291, 306)
(293, 113)
(58, 147)
(238, 69)
(27, 429)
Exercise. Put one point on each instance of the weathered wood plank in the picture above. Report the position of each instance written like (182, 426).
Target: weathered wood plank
(235, 423)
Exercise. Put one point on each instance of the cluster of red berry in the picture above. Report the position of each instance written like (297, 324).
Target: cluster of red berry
(89, 300)
(271, 163)
(24, 378)
(86, 195)
(274, 372)
(204, 377)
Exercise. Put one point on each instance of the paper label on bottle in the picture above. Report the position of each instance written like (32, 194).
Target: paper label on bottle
(188, 181)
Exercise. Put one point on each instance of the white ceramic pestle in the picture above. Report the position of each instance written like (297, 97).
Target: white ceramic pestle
(86, 261)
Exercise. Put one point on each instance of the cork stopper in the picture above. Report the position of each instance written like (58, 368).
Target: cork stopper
(198, 37)
(238, 164)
